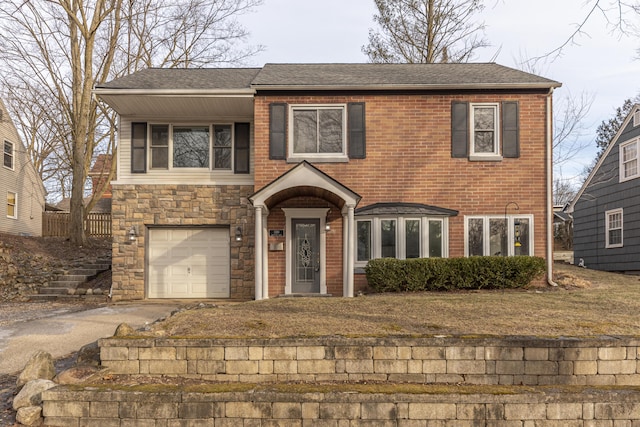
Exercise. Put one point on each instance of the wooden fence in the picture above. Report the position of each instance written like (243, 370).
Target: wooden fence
(56, 224)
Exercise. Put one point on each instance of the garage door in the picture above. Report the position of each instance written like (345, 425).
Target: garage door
(188, 263)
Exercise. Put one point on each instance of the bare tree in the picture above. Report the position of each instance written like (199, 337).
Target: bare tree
(62, 48)
(425, 31)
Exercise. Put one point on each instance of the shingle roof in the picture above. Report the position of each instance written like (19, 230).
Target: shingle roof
(338, 76)
(404, 209)
(396, 75)
(185, 78)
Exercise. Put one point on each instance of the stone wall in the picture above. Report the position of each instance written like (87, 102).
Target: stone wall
(143, 206)
(66, 407)
(486, 361)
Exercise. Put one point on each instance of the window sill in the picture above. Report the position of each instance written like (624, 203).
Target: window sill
(614, 246)
(311, 159)
(484, 158)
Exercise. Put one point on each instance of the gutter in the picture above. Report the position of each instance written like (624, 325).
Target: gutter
(549, 165)
(390, 86)
(226, 93)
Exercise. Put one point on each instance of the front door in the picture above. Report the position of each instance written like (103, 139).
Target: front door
(306, 256)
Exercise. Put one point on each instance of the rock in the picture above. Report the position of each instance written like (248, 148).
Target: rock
(76, 375)
(31, 393)
(30, 416)
(97, 291)
(89, 355)
(124, 330)
(40, 366)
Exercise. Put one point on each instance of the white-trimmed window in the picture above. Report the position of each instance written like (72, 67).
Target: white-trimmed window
(613, 225)
(318, 132)
(12, 205)
(498, 235)
(191, 146)
(629, 167)
(8, 155)
(636, 118)
(400, 237)
(485, 138)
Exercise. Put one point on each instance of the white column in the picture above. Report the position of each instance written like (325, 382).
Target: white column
(351, 250)
(258, 249)
(265, 255)
(345, 253)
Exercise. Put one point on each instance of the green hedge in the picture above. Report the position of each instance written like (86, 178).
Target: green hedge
(447, 274)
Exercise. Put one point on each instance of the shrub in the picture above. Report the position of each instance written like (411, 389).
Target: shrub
(447, 274)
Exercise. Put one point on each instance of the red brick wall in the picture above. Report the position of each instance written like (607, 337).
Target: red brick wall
(409, 159)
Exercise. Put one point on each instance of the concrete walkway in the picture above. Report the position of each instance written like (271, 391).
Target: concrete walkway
(66, 333)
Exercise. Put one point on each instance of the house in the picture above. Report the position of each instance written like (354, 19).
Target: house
(20, 184)
(286, 179)
(98, 175)
(606, 230)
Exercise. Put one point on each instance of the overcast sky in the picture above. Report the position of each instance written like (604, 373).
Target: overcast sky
(603, 64)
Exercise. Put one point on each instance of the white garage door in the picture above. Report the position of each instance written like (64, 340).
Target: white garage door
(188, 263)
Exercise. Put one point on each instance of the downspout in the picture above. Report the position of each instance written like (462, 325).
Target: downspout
(549, 161)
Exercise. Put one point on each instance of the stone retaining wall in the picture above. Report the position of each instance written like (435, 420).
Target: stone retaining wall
(65, 407)
(490, 361)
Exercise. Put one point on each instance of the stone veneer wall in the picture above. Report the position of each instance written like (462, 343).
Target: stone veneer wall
(145, 206)
(607, 361)
(66, 407)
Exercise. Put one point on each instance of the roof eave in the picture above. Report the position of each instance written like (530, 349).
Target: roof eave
(501, 86)
(245, 92)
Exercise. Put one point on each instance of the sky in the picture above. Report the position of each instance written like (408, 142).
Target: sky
(602, 65)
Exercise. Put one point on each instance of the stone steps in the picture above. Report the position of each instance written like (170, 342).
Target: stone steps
(66, 284)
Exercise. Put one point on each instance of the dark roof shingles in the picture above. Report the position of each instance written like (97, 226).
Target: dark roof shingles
(185, 78)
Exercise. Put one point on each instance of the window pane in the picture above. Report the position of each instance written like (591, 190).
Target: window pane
(498, 237)
(191, 147)
(483, 142)
(435, 239)
(11, 205)
(8, 154)
(476, 241)
(305, 131)
(615, 237)
(412, 238)
(222, 147)
(159, 146)
(330, 131)
(483, 118)
(388, 237)
(363, 230)
(521, 233)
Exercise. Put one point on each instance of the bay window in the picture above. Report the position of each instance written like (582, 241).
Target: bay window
(499, 235)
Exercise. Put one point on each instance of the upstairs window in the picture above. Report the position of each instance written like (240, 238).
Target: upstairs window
(12, 205)
(8, 155)
(484, 130)
(317, 131)
(209, 147)
(636, 118)
(629, 160)
(613, 223)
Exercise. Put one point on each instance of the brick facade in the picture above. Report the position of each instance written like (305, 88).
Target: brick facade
(145, 206)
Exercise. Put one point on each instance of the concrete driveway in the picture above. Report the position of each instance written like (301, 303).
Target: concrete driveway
(63, 334)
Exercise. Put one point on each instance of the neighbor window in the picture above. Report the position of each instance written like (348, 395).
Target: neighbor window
(484, 130)
(636, 118)
(8, 155)
(399, 237)
(629, 160)
(613, 225)
(499, 235)
(317, 131)
(12, 205)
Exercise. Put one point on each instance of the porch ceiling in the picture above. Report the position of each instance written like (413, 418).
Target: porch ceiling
(180, 106)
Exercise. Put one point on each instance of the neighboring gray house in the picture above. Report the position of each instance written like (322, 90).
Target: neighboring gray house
(21, 189)
(606, 210)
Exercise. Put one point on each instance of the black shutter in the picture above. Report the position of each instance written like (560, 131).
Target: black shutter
(459, 129)
(138, 147)
(356, 130)
(277, 131)
(510, 129)
(241, 148)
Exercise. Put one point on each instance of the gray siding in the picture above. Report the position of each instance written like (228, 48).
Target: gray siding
(605, 192)
(22, 180)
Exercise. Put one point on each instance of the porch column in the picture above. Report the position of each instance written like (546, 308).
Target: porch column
(345, 253)
(265, 255)
(258, 272)
(351, 249)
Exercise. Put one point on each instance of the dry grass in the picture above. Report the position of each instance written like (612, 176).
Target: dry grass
(587, 303)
